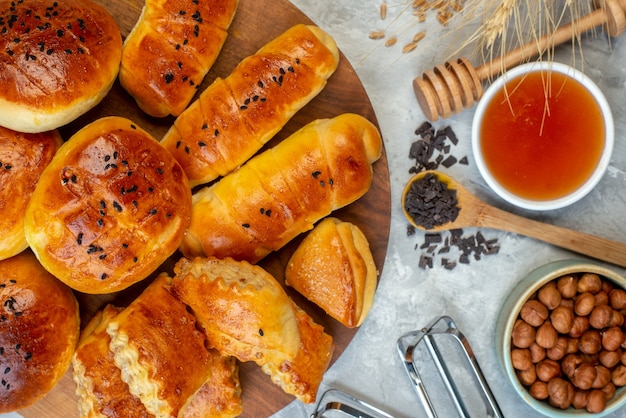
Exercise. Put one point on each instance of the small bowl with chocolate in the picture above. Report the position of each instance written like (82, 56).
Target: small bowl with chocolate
(542, 135)
(560, 339)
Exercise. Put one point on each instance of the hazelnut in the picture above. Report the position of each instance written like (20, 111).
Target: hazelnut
(520, 358)
(589, 282)
(609, 390)
(568, 285)
(568, 303)
(559, 350)
(570, 363)
(602, 298)
(617, 319)
(597, 401)
(584, 304)
(539, 390)
(560, 392)
(609, 358)
(527, 377)
(523, 334)
(546, 335)
(600, 316)
(617, 298)
(549, 295)
(572, 345)
(548, 369)
(562, 319)
(618, 375)
(584, 376)
(612, 338)
(590, 342)
(579, 326)
(537, 352)
(603, 377)
(534, 312)
(581, 398)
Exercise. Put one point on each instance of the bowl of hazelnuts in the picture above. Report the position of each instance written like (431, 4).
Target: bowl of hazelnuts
(560, 339)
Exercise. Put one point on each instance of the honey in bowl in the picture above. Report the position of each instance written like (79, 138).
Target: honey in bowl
(544, 137)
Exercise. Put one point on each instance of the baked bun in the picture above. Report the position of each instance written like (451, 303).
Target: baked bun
(333, 267)
(23, 158)
(59, 59)
(244, 311)
(169, 51)
(99, 385)
(109, 209)
(39, 329)
(234, 117)
(164, 359)
(302, 376)
(285, 190)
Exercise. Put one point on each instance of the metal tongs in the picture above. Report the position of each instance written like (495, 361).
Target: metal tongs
(408, 346)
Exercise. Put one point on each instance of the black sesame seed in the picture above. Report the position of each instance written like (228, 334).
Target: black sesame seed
(201, 144)
(117, 206)
(246, 225)
(103, 276)
(102, 256)
(100, 222)
(262, 211)
(124, 245)
(243, 107)
(316, 174)
(79, 239)
(204, 126)
(74, 178)
(331, 182)
(159, 170)
(268, 212)
(187, 150)
(216, 133)
(177, 144)
(135, 259)
(7, 370)
(261, 332)
(169, 77)
(153, 211)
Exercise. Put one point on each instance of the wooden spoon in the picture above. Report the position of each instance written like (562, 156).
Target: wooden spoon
(476, 213)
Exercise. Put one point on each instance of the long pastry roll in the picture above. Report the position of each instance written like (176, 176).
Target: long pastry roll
(170, 50)
(234, 117)
(282, 192)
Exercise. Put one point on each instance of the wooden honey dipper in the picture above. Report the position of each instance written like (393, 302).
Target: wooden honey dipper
(455, 85)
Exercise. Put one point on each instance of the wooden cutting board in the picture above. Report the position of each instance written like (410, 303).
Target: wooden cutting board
(256, 23)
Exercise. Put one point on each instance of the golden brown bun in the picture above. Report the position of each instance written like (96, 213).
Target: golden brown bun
(334, 268)
(99, 386)
(233, 118)
(164, 358)
(244, 311)
(39, 329)
(302, 376)
(59, 59)
(282, 192)
(23, 158)
(169, 51)
(109, 209)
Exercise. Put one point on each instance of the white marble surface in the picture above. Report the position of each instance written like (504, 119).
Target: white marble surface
(409, 297)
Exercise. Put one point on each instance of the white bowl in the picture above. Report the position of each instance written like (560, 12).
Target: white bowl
(605, 156)
(509, 313)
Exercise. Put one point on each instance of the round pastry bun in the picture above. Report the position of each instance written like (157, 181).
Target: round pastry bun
(23, 159)
(39, 331)
(59, 59)
(109, 209)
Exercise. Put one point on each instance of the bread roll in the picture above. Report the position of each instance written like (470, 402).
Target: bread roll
(23, 158)
(233, 118)
(99, 386)
(59, 59)
(169, 51)
(333, 267)
(110, 208)
(303, 375)
(164, 359)
(282, 192)
(39, 328)
(244, 311)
